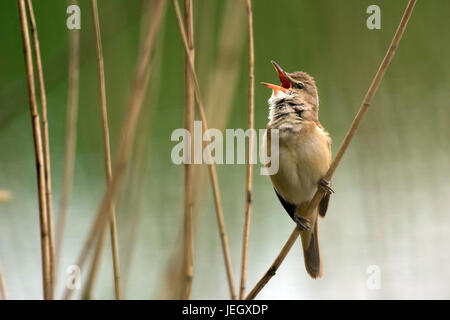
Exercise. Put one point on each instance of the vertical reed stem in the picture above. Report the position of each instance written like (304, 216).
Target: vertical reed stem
(71, 136)
(188, 168)
(248, 185)
(108, 168)
(211, 167)
(127, 134)
(48, 175)
(95, 264)
(364, 107)
(39, 156)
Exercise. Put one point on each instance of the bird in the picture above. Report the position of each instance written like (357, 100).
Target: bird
(304, 156)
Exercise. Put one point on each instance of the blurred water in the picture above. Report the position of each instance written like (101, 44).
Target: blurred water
(391, 203)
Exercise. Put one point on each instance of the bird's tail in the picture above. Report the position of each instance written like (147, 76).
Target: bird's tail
(311, 252)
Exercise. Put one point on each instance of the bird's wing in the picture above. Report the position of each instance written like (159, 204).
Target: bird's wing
(289, 207)
(323, 205)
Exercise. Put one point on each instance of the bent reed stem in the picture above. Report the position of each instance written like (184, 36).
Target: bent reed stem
(310, 211)
(211, 167)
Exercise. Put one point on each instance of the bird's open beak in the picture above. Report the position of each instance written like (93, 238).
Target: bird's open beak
(285, 83)
(274, 87)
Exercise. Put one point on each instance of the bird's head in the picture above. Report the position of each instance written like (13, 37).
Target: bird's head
(296, 87)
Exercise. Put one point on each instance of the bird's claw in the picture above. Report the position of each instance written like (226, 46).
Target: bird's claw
(325, 185)
(302, 223)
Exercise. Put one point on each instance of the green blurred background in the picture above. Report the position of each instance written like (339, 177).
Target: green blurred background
(391, 206)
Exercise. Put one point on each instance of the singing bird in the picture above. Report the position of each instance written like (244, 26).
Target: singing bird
(304, 156)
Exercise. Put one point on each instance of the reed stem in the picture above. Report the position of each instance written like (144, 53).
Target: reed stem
(108, 168)
(95, 265)
(218, 103)
(71, 137)
(364, 107)
(188, 258)
(127, 134)
(48, 174)
(211, 167)
(39, 154)
(248, 183)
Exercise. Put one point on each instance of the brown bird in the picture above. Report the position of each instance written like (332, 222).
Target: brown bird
(304, 156)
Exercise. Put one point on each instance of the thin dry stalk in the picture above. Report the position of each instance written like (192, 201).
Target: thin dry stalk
(227, 68)
(310, 211)
(39, 155)
(218, 103)
(92, 236)
(211, 167)
(137, 188)
(248, 184)
(127, 135)
(138, 183)
(71, 137)
(188, 259)
(95, 264)
(2, 286)
(48, 174)
(108, 168)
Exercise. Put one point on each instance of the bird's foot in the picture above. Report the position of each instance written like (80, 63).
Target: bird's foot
(302, 223)
(325, 185)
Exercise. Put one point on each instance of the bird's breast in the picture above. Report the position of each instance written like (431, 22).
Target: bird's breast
(304, 158)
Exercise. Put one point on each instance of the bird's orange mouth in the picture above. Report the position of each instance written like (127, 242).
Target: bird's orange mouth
(285, 83)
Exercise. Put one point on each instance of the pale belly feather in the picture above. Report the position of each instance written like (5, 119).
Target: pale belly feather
(304, 158)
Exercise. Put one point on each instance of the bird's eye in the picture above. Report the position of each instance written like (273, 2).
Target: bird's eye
(300, 85)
